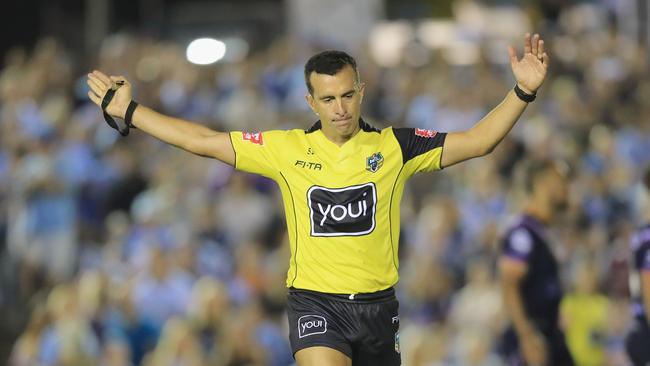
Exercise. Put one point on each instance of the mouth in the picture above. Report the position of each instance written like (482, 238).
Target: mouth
(342, 120)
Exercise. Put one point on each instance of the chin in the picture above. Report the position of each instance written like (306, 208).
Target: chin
(346, 132)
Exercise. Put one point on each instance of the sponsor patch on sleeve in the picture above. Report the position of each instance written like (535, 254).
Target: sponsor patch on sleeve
(425, 133)
(253, 137)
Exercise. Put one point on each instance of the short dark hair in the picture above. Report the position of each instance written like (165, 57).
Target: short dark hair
(330, 63)
(538, 168)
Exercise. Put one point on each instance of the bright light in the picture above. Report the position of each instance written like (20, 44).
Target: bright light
(387, 42)
(438, 33)
(462, 53)
(205, 51)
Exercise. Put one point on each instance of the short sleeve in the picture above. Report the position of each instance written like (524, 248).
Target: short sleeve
(518, 244)
(257, 152)
(421, 149)
(643, 257)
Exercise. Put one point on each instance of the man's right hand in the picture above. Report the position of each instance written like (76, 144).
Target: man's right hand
(533, 347)
(99, 84)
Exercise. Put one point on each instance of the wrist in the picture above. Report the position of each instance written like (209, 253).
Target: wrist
(526, 90)
(128, 114)
(525, 94)
(526, 331)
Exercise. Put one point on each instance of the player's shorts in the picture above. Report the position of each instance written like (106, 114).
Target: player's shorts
(365, 327)
(558, 352)
(637, 345)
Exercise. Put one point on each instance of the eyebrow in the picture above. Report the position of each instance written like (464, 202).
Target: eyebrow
(344, 94)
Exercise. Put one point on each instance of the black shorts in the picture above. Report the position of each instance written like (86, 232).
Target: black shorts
(365, 327)
(637, 345)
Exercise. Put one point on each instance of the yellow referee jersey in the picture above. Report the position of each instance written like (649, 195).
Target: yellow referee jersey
(341, 203)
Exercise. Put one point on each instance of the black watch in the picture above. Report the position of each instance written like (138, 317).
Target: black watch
(523, 95)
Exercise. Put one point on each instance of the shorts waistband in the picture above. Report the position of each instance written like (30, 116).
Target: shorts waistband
(383, 295)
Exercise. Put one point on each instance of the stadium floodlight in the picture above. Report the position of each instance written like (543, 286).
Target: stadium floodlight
(388, 40)
(205, 51)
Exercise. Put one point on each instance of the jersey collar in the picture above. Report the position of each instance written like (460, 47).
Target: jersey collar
(363, 124)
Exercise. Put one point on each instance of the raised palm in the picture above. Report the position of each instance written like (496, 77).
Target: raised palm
(530, 71)
(99, 84)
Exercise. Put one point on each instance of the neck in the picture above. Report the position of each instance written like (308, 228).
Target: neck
(337, 138)
(540, 210)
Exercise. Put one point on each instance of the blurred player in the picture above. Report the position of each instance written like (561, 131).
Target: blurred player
(638, 340)
(341, 182)
(529, 274)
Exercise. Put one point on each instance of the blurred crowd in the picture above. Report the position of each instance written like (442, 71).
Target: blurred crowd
(125, 251)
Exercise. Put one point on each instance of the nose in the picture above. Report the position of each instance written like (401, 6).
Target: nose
(340, 107)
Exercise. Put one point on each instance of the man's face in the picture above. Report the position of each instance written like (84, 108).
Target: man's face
(557, 189)
(336, 100)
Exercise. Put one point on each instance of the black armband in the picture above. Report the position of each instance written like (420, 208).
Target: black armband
(523, 95)
(129, 113)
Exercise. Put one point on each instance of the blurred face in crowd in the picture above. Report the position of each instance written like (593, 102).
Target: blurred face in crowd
(336, 99)
(554, 185)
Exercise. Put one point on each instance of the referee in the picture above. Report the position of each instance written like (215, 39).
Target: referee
(341, 181)
(637, 342)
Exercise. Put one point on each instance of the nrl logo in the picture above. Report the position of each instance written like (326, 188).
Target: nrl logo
(374, 162)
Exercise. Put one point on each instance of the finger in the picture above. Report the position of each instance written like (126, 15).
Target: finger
(527, 43)
(103, 77)
(513, 55)
(545, 60)
(534, 45)
(97, 89)
(97, 81)
(540, 48)
(95, 99)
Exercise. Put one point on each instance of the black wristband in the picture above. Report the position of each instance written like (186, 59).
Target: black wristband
(523, 95)
(124, 131)
(129, 113)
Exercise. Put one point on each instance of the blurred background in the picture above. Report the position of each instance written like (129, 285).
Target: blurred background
(125, 251)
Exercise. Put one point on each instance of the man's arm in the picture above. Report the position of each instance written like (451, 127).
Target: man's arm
(512, 273)
(645, 292)
(481, 139)
(186, 135)
(532, 344)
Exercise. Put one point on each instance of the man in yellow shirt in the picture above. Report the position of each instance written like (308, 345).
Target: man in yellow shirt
(584, 314)
(341, 182)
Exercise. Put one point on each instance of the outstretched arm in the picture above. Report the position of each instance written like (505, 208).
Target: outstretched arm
(187, 135)
(481, 139)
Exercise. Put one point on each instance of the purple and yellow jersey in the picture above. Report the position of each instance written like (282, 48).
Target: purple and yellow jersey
(341, 202)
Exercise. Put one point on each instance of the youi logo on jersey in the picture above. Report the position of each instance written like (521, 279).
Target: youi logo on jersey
(348, 211)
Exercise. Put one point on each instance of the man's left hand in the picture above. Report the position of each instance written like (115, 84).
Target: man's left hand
(530, 71)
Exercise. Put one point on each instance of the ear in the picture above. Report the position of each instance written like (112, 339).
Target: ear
(311, 102)
(362, 89)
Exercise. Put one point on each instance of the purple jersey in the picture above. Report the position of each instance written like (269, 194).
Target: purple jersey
(641, 261)
(527, 241)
